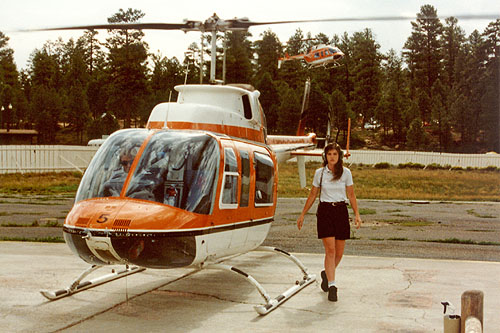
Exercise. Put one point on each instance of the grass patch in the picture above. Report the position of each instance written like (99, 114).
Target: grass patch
(479, 230)
(397, 239)
(474, 213)
(394, 211)
(370, 183)
(409, 223)
(461, 241)
(38, 240)
(47, 224)
(40, 183)
(402, 183)
(366, 211)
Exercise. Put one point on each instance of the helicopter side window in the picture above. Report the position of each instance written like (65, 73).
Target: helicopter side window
(316, 55)
(247, 109)
(229, 199)
(264, 179)
(245, 178)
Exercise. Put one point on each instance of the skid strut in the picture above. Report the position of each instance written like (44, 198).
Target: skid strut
(271, 303)
(77, 285)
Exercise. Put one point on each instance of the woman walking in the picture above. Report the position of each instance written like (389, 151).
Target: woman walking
(334, 184)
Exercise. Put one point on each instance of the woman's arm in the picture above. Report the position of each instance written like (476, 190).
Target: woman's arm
(307, 206)
(354, 204)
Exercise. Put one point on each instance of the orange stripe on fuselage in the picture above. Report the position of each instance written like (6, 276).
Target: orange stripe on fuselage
(235, 131)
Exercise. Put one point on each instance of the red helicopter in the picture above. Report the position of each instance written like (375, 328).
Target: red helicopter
(318, 55)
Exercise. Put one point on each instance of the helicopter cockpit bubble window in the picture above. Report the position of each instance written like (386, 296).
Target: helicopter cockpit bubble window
(108, 170)
(264, 179)
(178, 169)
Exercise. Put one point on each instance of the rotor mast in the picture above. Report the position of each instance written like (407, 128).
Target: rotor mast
(213, 25)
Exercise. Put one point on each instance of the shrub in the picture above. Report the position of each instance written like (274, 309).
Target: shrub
(434, 166)
(410, 165)
(491, 168)
(382, 165)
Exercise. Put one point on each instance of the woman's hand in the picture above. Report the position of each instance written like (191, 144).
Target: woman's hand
(358, 221)
(300, 221)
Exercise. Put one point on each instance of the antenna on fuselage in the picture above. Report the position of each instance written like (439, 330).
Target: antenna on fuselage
(168, 109)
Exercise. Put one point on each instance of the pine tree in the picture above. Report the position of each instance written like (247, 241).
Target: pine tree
(239, 57)
(491, 119)
(10, 94)
(127, 62)
(367, 74)
(268, 51)
(424, 55)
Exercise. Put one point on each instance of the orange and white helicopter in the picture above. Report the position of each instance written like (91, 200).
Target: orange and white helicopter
(318, 55)
(195, 186)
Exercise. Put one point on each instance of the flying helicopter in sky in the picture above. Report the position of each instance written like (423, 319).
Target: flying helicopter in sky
(318, 55)
(197, 185)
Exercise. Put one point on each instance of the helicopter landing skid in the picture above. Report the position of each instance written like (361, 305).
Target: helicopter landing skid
(271, 303)
(78, 286)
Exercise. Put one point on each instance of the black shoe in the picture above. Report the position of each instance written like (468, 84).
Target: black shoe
(332, 294)
(324, 281)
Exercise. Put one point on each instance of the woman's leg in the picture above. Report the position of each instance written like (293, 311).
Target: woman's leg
(339, 251)
(334, 250)
(330, 261)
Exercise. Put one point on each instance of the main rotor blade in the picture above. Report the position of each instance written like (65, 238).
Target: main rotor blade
(116, 26)
(247, 23)
(215, 24)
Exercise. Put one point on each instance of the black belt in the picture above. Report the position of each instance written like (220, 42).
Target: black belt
(338, 203)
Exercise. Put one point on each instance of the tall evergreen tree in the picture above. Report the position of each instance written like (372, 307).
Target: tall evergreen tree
(46, 101)
(268, 51)
(127, 66)
(239, 56)
(269, 99)
(10, 93)
(424, 55)
(491, 118)
(453, 39)
(367, 74)
(76, 81)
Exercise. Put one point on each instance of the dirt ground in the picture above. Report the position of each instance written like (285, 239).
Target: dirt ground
(439, 230)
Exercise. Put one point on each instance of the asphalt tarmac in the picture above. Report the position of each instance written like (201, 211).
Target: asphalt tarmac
(393, 228)
(406, 259)
(376, 294)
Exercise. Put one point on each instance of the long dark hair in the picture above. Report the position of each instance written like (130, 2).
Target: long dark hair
(338, 168)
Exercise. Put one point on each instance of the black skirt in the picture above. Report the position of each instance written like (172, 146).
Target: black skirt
(333, 221)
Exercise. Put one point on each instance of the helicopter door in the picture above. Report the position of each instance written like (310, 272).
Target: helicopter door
(229, 197)
(264, 180)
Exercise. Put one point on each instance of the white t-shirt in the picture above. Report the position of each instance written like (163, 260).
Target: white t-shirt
(332, 190)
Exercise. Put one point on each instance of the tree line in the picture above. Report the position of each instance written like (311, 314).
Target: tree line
(440, 93)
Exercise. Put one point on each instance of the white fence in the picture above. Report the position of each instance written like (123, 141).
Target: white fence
(76, 158)
(45, 158)
(424, 158)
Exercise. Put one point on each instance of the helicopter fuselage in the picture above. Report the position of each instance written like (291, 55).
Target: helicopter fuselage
(198, 184)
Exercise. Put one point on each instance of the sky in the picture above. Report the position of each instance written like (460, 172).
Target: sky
(18, 15)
